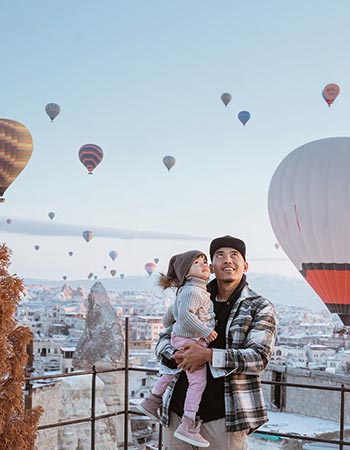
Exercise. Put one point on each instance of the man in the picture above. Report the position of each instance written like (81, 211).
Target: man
(232, 404)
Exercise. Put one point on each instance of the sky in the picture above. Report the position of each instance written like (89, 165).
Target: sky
(143, 80)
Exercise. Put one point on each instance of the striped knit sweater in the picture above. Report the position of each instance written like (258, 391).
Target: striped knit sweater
(192, 313)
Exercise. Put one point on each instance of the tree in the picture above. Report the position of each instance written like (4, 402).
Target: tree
(18, 426)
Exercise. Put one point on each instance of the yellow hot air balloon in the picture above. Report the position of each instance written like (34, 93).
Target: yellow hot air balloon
(16, 147)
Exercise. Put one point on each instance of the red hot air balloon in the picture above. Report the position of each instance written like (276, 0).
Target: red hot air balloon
(90, 155)
(330, 93)
(309, 210)
(150, 268)
(16, 147)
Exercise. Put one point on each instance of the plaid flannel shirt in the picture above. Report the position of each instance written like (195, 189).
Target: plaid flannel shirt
(250, 336)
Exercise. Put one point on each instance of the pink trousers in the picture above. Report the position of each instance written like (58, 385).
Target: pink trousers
(197, 380)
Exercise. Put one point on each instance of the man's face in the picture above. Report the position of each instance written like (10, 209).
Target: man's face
(228, 265)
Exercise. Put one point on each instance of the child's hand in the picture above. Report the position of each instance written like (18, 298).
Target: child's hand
(212, 336)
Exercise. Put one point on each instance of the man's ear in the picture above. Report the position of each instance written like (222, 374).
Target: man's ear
(246, 267)
(211, 268)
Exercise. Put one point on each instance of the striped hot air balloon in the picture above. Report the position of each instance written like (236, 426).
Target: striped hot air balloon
(90, 155)
(87, 235)
(16, 147)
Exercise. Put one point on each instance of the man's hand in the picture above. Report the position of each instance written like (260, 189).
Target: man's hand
(192, 357)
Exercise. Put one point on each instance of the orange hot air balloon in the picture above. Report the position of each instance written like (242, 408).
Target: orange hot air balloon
(16, 147)
(90, 155)
(330, 93)
(309, 210)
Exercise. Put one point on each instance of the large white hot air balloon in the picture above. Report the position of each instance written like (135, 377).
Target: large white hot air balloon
(309, 209)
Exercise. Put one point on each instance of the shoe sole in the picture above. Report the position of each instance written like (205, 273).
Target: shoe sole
(191, 441)
(147, 413)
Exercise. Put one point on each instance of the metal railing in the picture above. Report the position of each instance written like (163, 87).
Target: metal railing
(93, 418)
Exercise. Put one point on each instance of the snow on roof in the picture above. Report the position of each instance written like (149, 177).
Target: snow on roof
(296, 423)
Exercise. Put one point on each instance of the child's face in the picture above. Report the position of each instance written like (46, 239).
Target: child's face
(199, 268)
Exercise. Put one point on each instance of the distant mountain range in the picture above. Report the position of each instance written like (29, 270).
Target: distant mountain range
(277, 288)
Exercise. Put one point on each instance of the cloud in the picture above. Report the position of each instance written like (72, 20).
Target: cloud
(52, 228)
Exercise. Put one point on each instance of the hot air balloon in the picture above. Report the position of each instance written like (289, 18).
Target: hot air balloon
(16, 147)
(113, 254)
(277, 245)
(169, 161)
(88, 235)
(90, 275)
(90, 155)
(105, 267)
(36, 247)
(330, 93)
(226, 98)
(95, 277)
(52, 110)
(8, 221)
(150, 268)
(51, 215)
(122, 276)
(156, 260)
(70, 253)
(243, 117)
(113, 272)
(309, 210)
(64, 277)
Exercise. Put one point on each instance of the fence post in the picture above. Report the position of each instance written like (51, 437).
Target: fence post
(93, 407)
(342, 417)
(126, 385)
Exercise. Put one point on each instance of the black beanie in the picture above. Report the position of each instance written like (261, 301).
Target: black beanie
(227, 241)
(180, 264)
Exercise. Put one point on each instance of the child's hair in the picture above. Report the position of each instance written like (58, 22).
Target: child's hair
(166, 282)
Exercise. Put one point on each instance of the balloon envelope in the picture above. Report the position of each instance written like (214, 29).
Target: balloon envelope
(51, 215)
(156, 260)
(122, 276)
(244, 116)
(52, 110)
(169, 161)
(36, 247)
(309, 210)
(16, 147)
(64, 277)
(330, 93)
(90, 155)
(8, 221)
(150, 267)
(70, 253)
(113, 272)
(90, 275)
(88, 235)
(113, 254)
(226, 98)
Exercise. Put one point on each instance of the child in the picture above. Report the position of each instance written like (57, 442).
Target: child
(192, 318)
